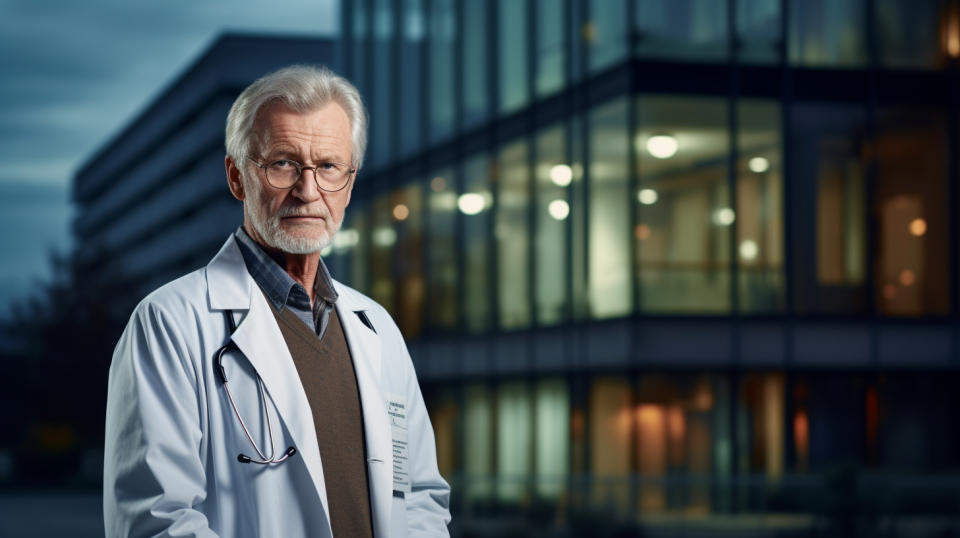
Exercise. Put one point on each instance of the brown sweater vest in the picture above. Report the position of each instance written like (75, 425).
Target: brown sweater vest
(327, 375)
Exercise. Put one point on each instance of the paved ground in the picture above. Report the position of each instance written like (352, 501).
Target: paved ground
(51, 514)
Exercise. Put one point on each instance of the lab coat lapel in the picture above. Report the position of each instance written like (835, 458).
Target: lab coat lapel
(365, 350)
(261, 342)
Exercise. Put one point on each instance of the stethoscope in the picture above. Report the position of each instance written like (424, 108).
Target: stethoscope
(218, 362)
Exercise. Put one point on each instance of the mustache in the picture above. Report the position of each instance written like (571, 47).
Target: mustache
(291, 211)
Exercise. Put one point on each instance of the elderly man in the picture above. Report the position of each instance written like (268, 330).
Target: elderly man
(258, 396)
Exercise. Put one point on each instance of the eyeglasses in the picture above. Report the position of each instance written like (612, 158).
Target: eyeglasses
(284, 174)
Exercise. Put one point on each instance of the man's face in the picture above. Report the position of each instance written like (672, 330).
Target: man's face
(302, 219)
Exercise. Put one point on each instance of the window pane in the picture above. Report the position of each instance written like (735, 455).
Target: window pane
(475, 92)
(684, 211)
(611, 417)
(827, 33)
(829, 206)
(360, 254)
(578, 221)
(358, 70)
(513, 236)
(513, 54)
(382, 84)
(553, 437)
(445, 419)
(407, 212)
(384, 237)
(477, 444)
(758, 31)
(908, 33)
(409, 111)
(513, 441)
(912, 212)
(683, 29)
(550, 47)
(475, 204)
(609, 270)
(442, 28)
(760, 207)
(606, 33)
(442, 252)
(554, 177)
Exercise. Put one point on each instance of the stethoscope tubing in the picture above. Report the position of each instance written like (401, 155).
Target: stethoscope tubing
(221, 374)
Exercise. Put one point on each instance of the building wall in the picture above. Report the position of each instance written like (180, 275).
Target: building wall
(708, 248)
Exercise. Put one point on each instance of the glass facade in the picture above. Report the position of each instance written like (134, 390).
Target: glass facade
(680, 241)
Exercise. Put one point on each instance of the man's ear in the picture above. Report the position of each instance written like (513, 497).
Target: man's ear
(234, 179)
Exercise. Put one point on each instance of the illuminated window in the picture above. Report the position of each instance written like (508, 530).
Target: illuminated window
(553, 437)
(827, 33)
(758, 31)
(442, 30)
(478, 444)
(406, 210)
(512, 233)
(514, 71)
(554, 178)
(606, 33)
(610, 428)
(513, 440)
(759, 217)
(684, 213)
(442, 250)
(475, 205)
(475, 94)
(383, 238)
(611, 293)
(684, 29)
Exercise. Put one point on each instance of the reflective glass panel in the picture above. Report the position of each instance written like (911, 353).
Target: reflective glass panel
(474, 63)
(512, 232)
(406, 209)
(382, 86)
(914, 33)
(913, 255)
(514, 71)
(828, 33)
(606, 33)
(681, 29)
(514, 439)
(758, 31)
(552, 461)
(828, 201)
(442, 250)
(475, 204)
(478, 444)
(383, 239)
(759, 207)
(554, 177)
(410, 90)
(550, 47)
(442, 30)
(611, 422)
(358, 71)
(684, 211)
(610, 285)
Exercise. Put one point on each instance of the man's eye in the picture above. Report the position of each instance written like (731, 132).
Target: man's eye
(329, 166)
(283, 164)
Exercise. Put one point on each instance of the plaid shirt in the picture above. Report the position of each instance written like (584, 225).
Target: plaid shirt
(283, 291)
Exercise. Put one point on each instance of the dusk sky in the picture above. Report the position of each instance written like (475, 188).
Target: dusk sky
(74, 74)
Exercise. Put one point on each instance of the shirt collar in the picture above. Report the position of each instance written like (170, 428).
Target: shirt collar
(279, 287)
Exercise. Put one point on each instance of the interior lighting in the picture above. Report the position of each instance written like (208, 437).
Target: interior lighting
(471, 203)
(724, 216)
(907, 277)
(561, 175)
(953, 34)
(662, 146)
(758, 165)
(558, 209)
(346, 238)
(918, 227)
(401, 212)
(749, 250)
(642, 232)
(647, 196)
(438, 184)
(889, 292)
(384, 237)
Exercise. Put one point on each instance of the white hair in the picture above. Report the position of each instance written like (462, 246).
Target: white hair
(303, 88)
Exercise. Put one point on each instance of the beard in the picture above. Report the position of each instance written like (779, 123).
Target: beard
(269, 227)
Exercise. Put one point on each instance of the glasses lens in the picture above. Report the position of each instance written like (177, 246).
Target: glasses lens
(283, 174)
(332, 176)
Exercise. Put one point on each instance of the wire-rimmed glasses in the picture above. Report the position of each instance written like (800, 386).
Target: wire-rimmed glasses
(284, 174)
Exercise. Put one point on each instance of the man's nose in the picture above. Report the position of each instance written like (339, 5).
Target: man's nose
(307, 188)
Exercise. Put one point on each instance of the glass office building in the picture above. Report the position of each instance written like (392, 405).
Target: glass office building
(667, 257)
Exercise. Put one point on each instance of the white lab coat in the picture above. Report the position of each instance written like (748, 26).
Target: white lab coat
(172, 439)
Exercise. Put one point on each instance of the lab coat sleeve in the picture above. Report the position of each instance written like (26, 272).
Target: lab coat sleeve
(428, 503)
(154, 478)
